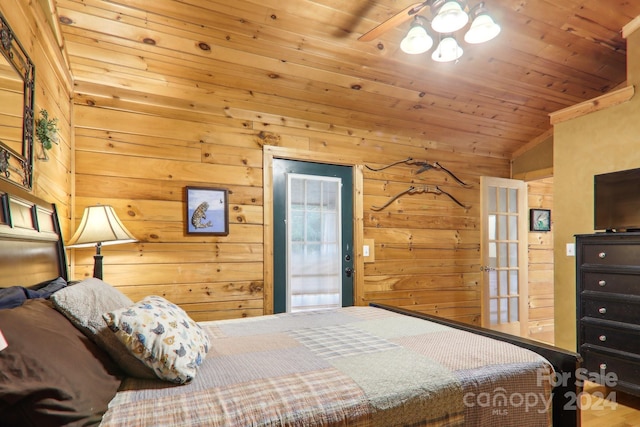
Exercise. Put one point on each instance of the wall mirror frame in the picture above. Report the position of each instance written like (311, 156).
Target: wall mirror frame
(16, 121)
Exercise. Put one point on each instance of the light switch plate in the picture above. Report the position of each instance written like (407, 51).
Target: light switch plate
(571, 249)
(369, 250)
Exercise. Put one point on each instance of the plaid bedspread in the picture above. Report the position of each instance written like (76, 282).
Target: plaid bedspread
(356, 366)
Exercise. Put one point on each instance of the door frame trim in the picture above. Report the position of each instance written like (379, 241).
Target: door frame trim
(270, 152)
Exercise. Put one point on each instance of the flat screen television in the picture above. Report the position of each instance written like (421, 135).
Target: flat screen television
(617, 201)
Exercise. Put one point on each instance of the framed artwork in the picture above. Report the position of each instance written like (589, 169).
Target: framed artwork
(539, 220)
(207, 211)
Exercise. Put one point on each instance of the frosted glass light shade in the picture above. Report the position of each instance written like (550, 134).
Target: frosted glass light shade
(448, 50)
(482, 30)
(450, 18)
(416, 41)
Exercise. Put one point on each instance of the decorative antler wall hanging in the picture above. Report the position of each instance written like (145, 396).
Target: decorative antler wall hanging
(419, 190)
(424, 166)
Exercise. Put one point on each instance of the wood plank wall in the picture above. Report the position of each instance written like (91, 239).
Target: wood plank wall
(51, 179)
(541, 282)
(139, 156)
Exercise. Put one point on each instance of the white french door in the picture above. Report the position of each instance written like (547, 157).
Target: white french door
(504, 255)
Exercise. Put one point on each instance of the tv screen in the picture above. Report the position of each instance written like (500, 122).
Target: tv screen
(617, 201)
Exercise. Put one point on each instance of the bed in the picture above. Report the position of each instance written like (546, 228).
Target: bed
(88, 360)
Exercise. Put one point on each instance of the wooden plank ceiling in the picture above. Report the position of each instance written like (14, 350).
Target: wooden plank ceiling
(301, 59)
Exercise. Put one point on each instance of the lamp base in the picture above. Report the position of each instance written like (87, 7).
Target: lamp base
(97, 266)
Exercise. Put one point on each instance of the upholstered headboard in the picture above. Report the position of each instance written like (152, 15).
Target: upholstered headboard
(31, 246)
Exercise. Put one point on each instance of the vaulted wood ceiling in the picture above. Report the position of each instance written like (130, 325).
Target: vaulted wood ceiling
(300, 59)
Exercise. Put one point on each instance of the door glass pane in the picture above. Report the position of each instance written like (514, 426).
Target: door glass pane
(513, 227)
(492, 227)
(513, 309)
(503, 282)
(513, 255)
(313, 225)
(492, 205)
(493, 284)
(502, 255)
(330, 197)
(502, 227)
(493, 256)
(513, 200)
(493, 311)
(313, 198)
(513, 282)
(297, 232)
(314, 272)
(502, 199)
(504, 310)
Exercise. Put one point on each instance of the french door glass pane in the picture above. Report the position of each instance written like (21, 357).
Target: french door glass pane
(314, 276)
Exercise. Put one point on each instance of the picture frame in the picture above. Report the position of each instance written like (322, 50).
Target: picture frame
(207, 211)
(540, 220)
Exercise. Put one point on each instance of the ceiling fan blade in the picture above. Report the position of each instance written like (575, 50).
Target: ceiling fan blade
(394, 21)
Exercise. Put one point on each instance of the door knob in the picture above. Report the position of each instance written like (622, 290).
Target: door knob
(348, 271)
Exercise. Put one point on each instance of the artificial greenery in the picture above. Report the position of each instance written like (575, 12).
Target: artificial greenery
(46, 130)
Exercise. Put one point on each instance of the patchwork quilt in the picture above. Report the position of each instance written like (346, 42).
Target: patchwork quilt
(356, 366)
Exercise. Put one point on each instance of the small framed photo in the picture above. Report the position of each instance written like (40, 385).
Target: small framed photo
(207, 211)
(539, 220)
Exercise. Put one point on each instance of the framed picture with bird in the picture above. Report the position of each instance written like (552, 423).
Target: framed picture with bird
(207, 211)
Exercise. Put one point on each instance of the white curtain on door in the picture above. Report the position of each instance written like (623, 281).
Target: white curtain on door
(314, 276)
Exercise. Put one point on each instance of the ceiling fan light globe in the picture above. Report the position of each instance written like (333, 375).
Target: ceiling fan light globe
(450, 18)
(416, 41)
(483, 29)
(448, 50)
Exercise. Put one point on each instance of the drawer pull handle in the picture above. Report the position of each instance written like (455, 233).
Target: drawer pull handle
(602, 310)
(602, 255)
(602, 338)
(602, 282)
(603, 366)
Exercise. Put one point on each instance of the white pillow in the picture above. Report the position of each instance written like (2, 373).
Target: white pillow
(162, 336)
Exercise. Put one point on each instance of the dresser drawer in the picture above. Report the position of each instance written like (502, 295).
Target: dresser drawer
(611, 254)
(611, 282)
(611, 368)
(620, 311)
(611, 336)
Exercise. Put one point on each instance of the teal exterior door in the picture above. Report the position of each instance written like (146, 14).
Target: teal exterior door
(313, 235)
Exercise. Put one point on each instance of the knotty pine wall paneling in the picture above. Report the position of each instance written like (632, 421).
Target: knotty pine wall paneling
(138, 157)
(53, 86)
(167, 97)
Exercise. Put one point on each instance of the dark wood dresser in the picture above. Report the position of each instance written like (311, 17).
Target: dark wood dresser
(608, 308)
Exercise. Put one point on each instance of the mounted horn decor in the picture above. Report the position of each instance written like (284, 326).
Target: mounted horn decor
(420, 190)
(424, 166)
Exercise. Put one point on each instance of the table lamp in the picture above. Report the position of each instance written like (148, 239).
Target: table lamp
(99, 226)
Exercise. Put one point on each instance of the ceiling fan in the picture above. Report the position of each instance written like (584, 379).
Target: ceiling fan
(449, 16)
